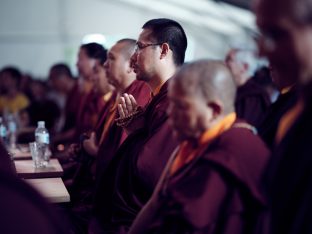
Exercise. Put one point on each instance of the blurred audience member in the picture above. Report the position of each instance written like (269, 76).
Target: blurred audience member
(285, 38)
(65, 93)
(41, 108)
(11, 100)
(251, 99)
(24, 84)
(92, 103)
(287, 87)
(263, 77)
(85, 97)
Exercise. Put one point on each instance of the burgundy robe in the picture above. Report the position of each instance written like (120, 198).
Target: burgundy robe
(251, 102)
(216, 193)
(24, 210)
(268, 127)
(106, 110)
(72, 105)
(128, 182)
(91, 105)
(84, 177)
(6, 164)
(289, 178)
(116, 135)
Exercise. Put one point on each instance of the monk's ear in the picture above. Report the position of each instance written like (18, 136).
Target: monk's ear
(164, 50)
(216, 107)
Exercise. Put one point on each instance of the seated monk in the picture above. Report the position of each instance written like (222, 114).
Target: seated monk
(125, 184)
(211, 182)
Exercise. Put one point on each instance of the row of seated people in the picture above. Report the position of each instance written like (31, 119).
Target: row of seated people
(131, 152)
(168, 152)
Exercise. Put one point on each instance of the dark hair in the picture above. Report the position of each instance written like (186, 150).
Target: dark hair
(171, 32)
(95, 51)
(61, 69)
(14, 73)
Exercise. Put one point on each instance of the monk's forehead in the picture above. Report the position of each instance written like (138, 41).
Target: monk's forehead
(146, 35)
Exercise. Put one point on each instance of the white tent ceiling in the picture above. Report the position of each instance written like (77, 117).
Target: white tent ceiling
(51, 31)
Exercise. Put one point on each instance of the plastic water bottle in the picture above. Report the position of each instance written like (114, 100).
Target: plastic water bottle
(12, 127)
(43, 139)
(3, 132)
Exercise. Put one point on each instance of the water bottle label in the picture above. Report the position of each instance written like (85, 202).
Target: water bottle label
(43, 138)
(3, 131)
(12, 127)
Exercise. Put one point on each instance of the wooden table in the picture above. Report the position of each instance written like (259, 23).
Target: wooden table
(51, 188)
(25, 169)
(20, 153)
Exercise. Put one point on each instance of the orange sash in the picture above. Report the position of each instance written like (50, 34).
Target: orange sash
(288, 120)
(188, 151)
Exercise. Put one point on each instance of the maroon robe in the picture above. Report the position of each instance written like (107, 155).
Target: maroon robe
(251, 102)
(106, 110)
(72, 105)
(24, 210)
(128, 182)
(6, 164)
(116, 135)
(288, 179)
(84, 173)
(268, 127)
(218, 192)
(91, 105)
(83, 187)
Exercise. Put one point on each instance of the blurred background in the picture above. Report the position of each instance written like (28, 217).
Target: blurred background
(35, 34)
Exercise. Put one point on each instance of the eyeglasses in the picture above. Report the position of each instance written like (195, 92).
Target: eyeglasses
(140, 46)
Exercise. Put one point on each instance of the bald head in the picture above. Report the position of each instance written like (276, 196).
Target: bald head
(127, 48)
(117, 65)
(210, 79)
(200, 95)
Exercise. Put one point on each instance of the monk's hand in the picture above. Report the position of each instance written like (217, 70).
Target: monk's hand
(90, 145)
(130, 114)
(127, 105)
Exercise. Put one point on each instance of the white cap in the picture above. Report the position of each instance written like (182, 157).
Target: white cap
(41, 124)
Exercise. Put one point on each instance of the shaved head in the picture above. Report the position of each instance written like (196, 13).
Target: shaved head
(210, 79)
(117, 65)
(200, 95)
(128, 47)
